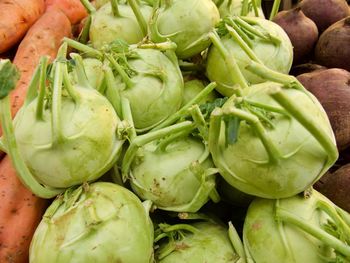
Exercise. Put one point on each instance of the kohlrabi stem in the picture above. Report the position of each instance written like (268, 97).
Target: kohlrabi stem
(213, 195)
(141, 140)
(42, 88)
(269, 74)
(88, 6)
(135, 6)
(115, 9)
(236, 242)
(32, 91)
(18, 163)
(178, 227)
(68, 85)
(83, 48)
(317, 232)
(344, 215)
(3, 148)
(275, 8)
(242, 34)
(231, 64)
(200, 122)
(126, 79)
(324, 139)
(255, 8)
(244, 9)
(112, 93)
(332, 213)
(57, 134)
(263, 35)
(163, 46)
(163, 144)
(80, 71)
(127, 116)
(237, 38)
(184, 110)
(271, 149)
(267, 107)
(84, 34)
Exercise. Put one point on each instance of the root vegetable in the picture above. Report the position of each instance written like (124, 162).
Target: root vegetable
(325, 12)
(333, 47)
(332, 89)
(17, 16)
(302, 32)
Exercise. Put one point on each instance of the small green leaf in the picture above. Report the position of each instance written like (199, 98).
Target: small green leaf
(9, 76)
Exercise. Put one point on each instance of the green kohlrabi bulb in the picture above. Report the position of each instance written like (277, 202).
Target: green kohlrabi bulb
(101, 222)
(107, 26)
(197, 243)
(297, 229)
(185, 22)
(272, 142)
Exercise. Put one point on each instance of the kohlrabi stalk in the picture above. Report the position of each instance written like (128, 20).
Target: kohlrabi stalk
(240, 8)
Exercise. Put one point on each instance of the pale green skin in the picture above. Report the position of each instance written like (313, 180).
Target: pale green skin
(269, 241)
(245, 164)
(275, 57)
(185, 22)
(192, 88)
(107, 223)
(210, 244)
(234, 8)
(94, 72)
(90, 141)
(106, 28)
(165, 178)
(151, 98)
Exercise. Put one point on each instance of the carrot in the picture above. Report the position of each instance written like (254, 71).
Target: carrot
(20, 211)
(73, 9)
(17, 16)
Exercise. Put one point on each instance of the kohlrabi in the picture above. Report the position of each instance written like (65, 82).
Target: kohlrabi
(307, 228)
(65, 134)
(185, 22)
(148, 75)
(101, 222)
(116, 20)
(247, 39)
(193, 86)
(197, 243)
(240, 8)
(171, 167)
(272, 139)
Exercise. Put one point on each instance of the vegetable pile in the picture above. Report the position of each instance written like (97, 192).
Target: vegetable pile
(174, 131)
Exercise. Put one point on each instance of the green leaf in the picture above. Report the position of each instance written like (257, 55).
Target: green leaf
(9, 76)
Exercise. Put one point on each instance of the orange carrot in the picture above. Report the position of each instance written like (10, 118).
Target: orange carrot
(20, 213)
(73, 9)
(16, 17)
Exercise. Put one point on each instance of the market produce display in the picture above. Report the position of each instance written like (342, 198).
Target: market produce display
(174, 131)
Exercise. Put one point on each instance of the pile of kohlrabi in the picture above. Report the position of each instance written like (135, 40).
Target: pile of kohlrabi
(171, 132)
